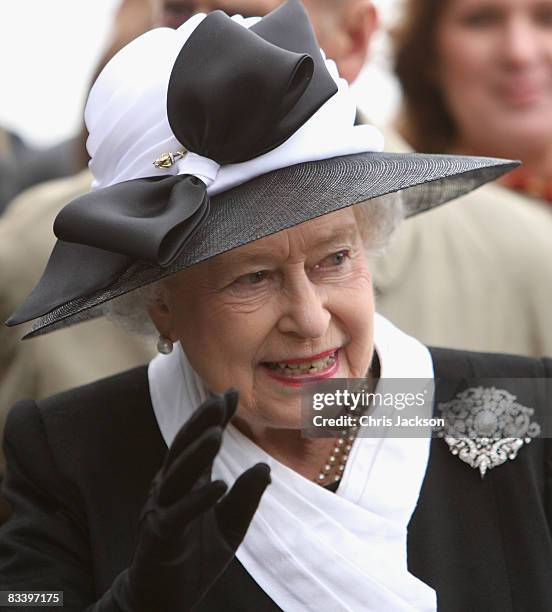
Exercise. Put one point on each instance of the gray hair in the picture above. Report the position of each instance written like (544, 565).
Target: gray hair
(377, 219)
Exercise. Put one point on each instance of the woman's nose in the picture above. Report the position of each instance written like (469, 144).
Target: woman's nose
(304, 309)
(521, 42)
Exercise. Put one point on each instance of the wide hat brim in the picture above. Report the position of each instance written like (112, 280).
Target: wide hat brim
(287, 197)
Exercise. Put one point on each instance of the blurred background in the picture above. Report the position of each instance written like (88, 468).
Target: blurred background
(48, 51)
(59, 44)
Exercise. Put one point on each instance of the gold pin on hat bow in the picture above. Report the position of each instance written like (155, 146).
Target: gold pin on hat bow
(167, 160)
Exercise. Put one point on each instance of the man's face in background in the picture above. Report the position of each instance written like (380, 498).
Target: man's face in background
(343, 27)
(175, 12)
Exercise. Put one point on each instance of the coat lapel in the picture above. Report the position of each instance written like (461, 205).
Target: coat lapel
(484, 544)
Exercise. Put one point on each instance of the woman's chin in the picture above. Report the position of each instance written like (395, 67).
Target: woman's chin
(518, 132)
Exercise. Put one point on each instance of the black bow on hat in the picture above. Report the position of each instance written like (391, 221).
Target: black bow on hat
(234, 94)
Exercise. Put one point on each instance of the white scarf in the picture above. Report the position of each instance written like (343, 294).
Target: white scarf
(310, 549)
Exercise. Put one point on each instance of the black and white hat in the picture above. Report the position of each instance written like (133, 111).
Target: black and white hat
(209, 137)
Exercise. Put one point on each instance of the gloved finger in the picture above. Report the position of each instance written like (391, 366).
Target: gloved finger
(231, 397)
(173, 520)
(186, 469)
(209, 414)
(235, 511)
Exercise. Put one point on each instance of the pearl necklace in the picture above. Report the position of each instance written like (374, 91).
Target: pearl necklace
(339, 455)
(337, 460)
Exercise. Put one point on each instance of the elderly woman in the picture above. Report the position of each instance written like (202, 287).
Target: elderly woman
(235, 204)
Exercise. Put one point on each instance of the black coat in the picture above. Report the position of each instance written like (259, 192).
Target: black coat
(80, 466)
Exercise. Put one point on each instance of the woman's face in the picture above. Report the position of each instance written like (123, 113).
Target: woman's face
(276, 315)
(495, 69)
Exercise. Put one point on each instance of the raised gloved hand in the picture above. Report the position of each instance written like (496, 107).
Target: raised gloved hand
(189, 529)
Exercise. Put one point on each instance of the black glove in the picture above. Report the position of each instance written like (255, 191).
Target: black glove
(185, 538)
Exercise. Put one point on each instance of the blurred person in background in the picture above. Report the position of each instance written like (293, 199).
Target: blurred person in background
(22, 166)
(488, 88)
(79, 355)
(477, 79)
(98, 348)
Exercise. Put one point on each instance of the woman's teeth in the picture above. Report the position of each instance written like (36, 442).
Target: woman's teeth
(298, 369)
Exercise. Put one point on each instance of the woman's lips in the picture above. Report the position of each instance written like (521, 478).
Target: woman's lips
(311, 358)
(521, 93)
(298, 378)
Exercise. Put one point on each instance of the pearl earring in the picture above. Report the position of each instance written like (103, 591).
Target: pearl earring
(164, 345)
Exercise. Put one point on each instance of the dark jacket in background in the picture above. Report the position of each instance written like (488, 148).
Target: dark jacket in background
(22, 166)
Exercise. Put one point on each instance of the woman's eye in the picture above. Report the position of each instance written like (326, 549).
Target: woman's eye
(543, 16)
(254, 278)
(334, 260)
(481, 19)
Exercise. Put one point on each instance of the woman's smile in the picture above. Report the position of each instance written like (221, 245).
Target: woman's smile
(520, 93)
(300, 371)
